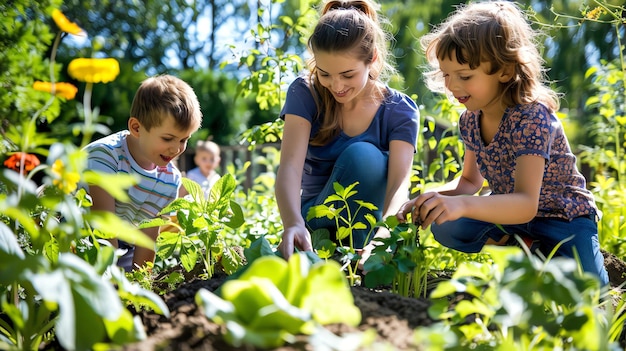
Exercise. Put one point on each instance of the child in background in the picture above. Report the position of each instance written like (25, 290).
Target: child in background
(207, 159)
(485, 56)
(165, 112)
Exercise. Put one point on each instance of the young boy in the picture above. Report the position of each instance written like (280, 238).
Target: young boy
(207, 159)
(164, 113)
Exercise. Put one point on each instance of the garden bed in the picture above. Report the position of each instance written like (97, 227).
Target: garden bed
(393, 317)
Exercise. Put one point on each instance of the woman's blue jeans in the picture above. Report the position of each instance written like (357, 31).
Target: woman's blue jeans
(360, 162)
(579, 234)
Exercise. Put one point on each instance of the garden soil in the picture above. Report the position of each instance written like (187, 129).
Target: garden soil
(392, 316)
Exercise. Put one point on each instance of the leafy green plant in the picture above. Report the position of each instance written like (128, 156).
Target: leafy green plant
(396, 262)
(606, 129)
(258, 201)
(50, 292)
(607, 158)
(58, 279)
(273, 300)
(523, 303)
(38, 295)
(199, 223)
(336, 207)
(441, 152)
(269, 65)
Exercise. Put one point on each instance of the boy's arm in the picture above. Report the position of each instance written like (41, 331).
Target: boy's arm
(182, 191)
(103, 201)
(142, 254)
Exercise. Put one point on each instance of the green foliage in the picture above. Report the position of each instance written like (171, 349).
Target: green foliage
(522, 303)
(399, 261)
(25, 38)
(273, 300)
(269, 65)
(223, 115)
(51, 278)
(269, 132)
(72, 297)
(336, 207)
(608, 126)
(196, 233)
(439, 147)
(607, 132)
(607, 158)
(258, 201)
(58, 278)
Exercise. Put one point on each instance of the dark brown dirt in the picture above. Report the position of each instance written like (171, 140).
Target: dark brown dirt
(392, 316)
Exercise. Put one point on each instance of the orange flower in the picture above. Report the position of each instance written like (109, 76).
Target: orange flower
(22, 162)
(64, 24)
(94, 70)
(66, 90)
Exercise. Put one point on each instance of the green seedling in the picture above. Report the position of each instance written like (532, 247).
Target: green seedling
(199, 224)
(337, 208)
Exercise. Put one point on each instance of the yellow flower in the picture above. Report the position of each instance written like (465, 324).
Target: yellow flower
(595, 13)
(94, 70)
(66, 181)
(64, 24)
(66, 90)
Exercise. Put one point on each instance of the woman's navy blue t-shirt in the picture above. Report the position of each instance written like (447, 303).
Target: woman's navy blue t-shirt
(396, 119)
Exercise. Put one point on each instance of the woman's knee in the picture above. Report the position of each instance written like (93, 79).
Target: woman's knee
(363, 157)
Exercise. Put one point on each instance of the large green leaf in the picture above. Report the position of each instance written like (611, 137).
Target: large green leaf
(328, 297)
(8, 244)
(114, 226)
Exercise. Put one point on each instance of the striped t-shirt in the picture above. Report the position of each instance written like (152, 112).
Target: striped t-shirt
(156, 188)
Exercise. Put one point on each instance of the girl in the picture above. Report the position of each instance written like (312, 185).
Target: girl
(344, 124)
(484, 55)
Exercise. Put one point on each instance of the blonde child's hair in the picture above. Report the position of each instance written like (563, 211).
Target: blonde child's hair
(165, 95)
(209, 146)
(496, 32)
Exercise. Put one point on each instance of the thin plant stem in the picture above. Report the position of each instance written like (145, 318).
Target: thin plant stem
(87, 129)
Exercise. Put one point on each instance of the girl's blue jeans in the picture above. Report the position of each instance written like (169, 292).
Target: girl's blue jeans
(579, 234)
(360, 162)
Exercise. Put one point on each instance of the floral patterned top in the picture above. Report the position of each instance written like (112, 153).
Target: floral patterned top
(530, 129)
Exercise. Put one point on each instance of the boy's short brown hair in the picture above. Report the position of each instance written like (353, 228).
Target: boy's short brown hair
(165, 95)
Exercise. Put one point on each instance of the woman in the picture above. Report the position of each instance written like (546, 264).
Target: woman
(344, 124)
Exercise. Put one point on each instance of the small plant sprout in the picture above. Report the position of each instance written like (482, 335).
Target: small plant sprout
(337, 208)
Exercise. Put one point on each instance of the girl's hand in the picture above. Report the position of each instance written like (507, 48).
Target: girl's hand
(436, 208)
(406, 208)
(295, 237)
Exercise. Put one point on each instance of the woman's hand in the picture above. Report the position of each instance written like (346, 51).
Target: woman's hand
(295, 237)
(381, 233)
